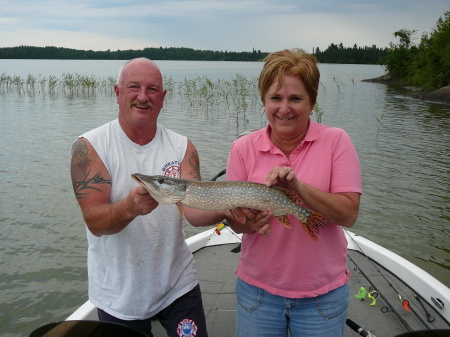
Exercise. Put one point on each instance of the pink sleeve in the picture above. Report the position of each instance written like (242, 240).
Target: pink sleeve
(236, 170)
(346, 172)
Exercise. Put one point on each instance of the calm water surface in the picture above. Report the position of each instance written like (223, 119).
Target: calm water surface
(402, 144)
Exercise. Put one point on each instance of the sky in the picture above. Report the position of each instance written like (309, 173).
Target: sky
(220, 25)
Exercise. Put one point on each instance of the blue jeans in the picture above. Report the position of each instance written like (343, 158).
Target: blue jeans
(260, 313)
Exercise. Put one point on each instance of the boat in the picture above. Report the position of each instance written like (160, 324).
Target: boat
(389, 296)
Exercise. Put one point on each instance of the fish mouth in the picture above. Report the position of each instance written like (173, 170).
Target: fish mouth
(138, 177)
(135, 177)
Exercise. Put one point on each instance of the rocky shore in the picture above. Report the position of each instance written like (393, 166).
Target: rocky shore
(440, 95)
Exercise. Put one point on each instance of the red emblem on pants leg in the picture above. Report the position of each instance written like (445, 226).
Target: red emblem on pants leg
(187, 328)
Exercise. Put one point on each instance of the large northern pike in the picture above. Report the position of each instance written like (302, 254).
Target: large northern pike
(223, 195)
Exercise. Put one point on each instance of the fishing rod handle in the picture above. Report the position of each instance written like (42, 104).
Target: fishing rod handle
(358, 329)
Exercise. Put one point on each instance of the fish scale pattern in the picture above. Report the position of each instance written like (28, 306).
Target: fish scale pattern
(232, 194)
(222, 195)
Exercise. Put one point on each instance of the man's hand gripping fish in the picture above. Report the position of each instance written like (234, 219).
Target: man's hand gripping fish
(223, 195)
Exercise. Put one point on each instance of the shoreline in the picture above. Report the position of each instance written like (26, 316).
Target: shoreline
(441, 95)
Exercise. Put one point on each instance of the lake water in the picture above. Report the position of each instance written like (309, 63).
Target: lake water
(402, 144)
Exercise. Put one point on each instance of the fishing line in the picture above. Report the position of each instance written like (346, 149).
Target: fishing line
(381, 294)
(429, 317)
(406, 303)
(218, 229)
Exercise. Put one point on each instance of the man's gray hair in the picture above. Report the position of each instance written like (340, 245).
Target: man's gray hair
(119, 76)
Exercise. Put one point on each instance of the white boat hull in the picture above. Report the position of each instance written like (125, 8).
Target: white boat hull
(421, 282)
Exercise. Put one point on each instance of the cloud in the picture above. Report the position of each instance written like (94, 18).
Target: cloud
(231, 25)
(70, 39)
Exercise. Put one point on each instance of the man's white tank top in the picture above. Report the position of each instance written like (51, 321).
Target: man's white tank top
(138, 272)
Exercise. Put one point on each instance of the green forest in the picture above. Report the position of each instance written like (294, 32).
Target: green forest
(154, 53)
(333, 54)
(426, 64)
(350, 55)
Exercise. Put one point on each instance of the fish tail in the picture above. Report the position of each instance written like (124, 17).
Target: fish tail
(314, 221)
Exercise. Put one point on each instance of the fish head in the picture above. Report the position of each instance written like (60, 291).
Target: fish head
(163, 189)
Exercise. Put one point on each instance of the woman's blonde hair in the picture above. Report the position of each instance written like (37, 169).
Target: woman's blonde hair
(295, 62)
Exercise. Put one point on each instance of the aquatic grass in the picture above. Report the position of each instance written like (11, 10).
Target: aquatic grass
(339, 84)
(379, 124)
(69, 83)
(224, 93)
(52, 83)
(31, 82)
(207, 94)
(238, 96)
(42, 82)
(235, 96)
(323, 89)
(88, 83)
(319, 112)
(106, 84)
(5, 80)
(169, 85)
(17, 81)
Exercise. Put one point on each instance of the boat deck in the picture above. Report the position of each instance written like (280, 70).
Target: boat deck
(216, 266)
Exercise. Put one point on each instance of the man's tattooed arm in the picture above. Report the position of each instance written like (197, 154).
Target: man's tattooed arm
(194, 163)
(80, 170)
(87, 184)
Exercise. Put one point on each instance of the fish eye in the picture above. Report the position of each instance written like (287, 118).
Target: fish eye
(161, 180)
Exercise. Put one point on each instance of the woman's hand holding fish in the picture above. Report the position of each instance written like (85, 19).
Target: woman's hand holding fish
(282, 176)
(340, 208)
(248, 220)
(261, 222)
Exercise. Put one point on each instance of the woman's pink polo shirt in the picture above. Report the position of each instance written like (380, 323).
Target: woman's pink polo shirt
(289, 263)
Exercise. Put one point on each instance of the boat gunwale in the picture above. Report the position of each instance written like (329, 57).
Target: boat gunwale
(421, 282)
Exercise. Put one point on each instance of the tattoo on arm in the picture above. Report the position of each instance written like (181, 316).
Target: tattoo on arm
(80, 171)
(194, 162)
(86, 183)
(80, 160)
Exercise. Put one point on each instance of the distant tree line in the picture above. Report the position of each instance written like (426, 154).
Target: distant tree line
(155, 53)
(426, 64)
(350, 55)
(333, 54)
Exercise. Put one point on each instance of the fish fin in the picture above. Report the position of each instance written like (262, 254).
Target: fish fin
(312, 224)
(294, 196)
(180, 210)
(284, 220)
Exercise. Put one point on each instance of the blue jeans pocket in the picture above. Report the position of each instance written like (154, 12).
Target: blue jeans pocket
(334, 303)
(248, 297)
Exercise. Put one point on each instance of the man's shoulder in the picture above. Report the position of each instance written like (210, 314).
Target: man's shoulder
(99, 129)
(168, 133)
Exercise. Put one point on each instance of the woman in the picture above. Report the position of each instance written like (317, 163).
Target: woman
(286, 280)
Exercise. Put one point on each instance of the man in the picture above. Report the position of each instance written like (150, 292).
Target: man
(139, 265)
